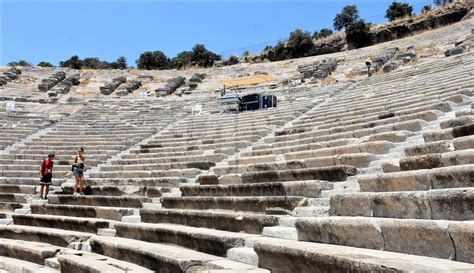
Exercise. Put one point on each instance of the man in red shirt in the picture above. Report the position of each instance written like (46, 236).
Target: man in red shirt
(46, 175)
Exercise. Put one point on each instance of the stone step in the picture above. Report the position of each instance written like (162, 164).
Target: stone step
(15, 197)
(146, 155)
(25, 189)
(359, 160)
(154, 256)
(244, 255)
(109, 213)
(86, 262)
(152, 181)
(431, 161)
(375, 147)
(11, 265)
(211, 241)
(153, 164)
(222, 220)
(98, 200)
(446, 204)
(300, 188)
(33, 252)
(151, 192)
(287, 233)
(81, 224)
(456, 122)
(442, 146)
(188, 173)
(334, 173)
(10, 206)
(464, 143)
(229, 266)
(57, 237)
(434, 238)
(439, 178)
(292, 256)
(282, 147)
(28, 181)
(255, 204)
(450, 133)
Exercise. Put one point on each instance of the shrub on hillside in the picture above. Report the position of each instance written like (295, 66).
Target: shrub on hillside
(74, 62)
(426, 9)
(398, 10)
(120, 63)
(202, 57)
(325, 32)
(181, 60)
(44, 64)
(299, 44)
(152, 60)
(348, 16)
(358, 34)
(20, 63)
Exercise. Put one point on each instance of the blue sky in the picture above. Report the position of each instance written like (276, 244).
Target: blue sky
(55, 30)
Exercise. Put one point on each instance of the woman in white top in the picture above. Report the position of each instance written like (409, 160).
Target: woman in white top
(78, 171)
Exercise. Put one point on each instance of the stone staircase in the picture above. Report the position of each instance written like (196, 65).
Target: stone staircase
(374, 176)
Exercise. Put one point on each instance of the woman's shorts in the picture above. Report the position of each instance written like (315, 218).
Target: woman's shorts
(77, 171)
(46, 180)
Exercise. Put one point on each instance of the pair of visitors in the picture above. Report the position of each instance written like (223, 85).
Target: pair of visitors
(46, 173)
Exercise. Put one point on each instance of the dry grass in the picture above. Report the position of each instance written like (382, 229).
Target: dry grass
(408, 19)
(84, 83)
(329, 80)
(428, 50)
(354, 73)
(334, 36)
(134, 71)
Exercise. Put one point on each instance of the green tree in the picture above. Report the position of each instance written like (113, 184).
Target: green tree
(93, 63)
(246, 53)
(398, 10)
(324, 32)
(299, 43)
(181, 60)
(121, 62)
(441, 2)
(45, 64)
(347, 17)
(202, 57)
(20, 63)
(358, 34)
(74, 62)
(267, 48)
(426, 9)
(152, 60)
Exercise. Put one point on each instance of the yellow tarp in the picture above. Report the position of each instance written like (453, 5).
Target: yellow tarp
(256, 79)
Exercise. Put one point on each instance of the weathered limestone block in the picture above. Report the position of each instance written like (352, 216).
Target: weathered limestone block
(340, 231)
(68, 223)
(91, 262)
(29, 251)
(463, 239)
(430, 148)
(415, 180)
(457, 122)
(453, 204)
(229, 221)
(464, 143)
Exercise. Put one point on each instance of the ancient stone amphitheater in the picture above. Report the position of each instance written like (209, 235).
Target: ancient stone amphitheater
(355, 174)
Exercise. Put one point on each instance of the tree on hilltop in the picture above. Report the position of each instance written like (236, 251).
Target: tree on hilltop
(152, 60)
(398, 10)
(202, 57)
(347, 17)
